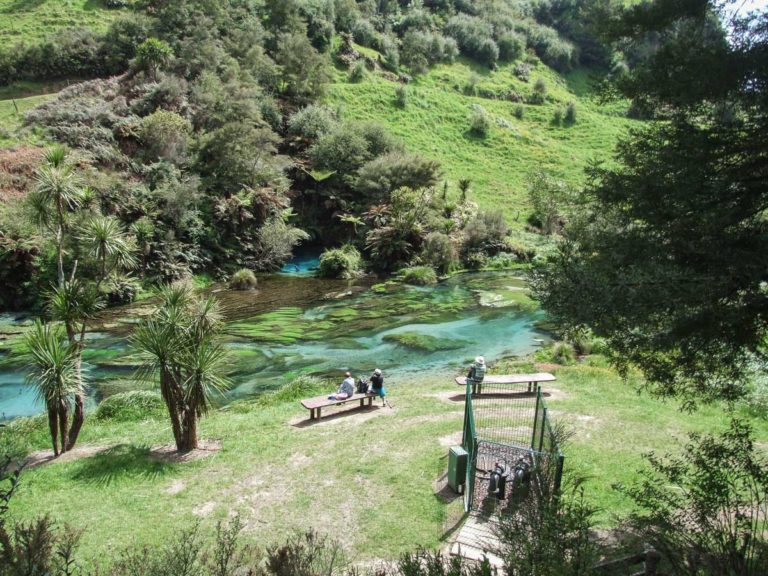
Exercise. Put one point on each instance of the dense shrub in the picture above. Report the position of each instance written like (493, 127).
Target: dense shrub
(164, 135)
(563, 353)
(522, 71)
(351, 145)
(474, 36)
(418, 275)
(312, 121)
(422, 49)
(479, 122)
(439, 252)
(358, 72)
(539, 94)
(379, 177)
(519, 111)
(364, 33)
(243, 279)
(511, 46)
(486, 233)
(344, 262)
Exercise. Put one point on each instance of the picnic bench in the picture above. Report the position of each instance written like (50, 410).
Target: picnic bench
(316, 404)
(530, 379)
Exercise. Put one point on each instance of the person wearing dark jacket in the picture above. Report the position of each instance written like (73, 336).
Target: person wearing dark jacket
(377, 387)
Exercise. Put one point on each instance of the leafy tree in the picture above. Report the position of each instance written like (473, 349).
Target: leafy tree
(304, 71)
(164, 135)
(238, 155)
(54, 375)
(669, 258)
(707, 510)
(548, 195)
(100, 250)
(181, 344)
(380, 177)
(153, 55)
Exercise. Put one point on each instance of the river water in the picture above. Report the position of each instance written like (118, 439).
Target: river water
(295, 324)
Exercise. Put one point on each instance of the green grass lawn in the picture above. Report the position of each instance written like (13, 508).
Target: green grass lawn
(32, 20)
(366, 477)
(435, 123)
(12, 109)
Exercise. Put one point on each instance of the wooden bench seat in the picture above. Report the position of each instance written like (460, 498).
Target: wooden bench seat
(316, 404)
(530, 379)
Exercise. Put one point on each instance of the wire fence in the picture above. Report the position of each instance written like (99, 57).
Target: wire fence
(507, 424)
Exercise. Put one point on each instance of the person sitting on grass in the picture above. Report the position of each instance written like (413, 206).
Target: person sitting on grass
(346, 390)
(476, 371)
(377, 387)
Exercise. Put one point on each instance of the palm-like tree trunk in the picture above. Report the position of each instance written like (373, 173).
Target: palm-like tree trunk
(63, 413)
(167, 391)
(190, 430)
(53, 425)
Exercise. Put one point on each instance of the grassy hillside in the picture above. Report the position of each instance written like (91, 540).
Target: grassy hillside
(367, 476)
(15, 100)
(436, 123)
(32, 20)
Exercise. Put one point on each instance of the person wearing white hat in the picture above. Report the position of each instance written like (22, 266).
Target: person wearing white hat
(477, 370)
(377, 387)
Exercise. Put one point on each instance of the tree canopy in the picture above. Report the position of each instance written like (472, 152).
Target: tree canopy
(668, 254)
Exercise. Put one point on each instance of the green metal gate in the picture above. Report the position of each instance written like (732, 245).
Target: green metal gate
(507, 423)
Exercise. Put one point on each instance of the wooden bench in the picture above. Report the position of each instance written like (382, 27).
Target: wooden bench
(530, 379)
(316, 404)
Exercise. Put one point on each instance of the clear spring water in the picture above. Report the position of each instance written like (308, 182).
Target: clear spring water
(295, 324)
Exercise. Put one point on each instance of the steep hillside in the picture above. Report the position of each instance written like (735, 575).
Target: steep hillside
(436, 123)
(32, 20)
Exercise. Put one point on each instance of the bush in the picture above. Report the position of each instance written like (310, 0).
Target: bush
(243, 279)
(378, 178)
(479, 122)
(511, 46)
(418, 275)
(439, 252)
(563, 353)
(401, 96)
(519, 112)
(344, 262)
(358, 72)
(312, 121)
(136, 405)
(485, 233)
(557, 117)
(297, 389)
(502, 261)
(570, 113)
(523, 71)
(364, 33)
(539, 94)
(164, 135)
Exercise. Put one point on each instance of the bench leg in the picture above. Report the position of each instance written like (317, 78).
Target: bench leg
(317, 413)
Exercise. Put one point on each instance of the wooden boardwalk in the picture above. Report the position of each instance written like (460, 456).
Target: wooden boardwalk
(477, 539)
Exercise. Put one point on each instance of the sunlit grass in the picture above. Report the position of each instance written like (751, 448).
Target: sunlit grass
(32, 20)
(435, 123)
(369, 479)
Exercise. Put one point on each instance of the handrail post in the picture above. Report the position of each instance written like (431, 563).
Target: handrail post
(535, 417)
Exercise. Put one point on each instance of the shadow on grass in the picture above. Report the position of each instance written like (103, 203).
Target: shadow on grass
(461, 396)
(121, 462)
(348, 412)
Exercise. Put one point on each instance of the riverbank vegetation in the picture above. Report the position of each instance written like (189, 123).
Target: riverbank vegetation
(167, 145)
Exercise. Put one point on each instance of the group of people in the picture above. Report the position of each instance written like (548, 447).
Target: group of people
(374, 385)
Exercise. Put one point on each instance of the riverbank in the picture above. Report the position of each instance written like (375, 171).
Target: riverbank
(369, 477)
